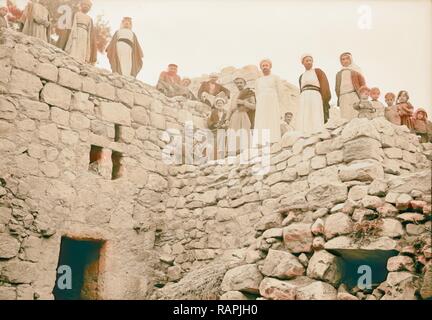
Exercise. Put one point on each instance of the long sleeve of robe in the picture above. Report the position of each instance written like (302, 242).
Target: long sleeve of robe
(114, 59)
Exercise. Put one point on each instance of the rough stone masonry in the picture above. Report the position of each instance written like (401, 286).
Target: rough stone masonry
(356, 191)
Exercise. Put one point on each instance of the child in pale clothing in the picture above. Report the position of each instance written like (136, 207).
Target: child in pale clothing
(380, 108)
(364, 106)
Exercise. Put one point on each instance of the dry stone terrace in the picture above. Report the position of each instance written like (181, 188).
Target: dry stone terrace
(81, 158)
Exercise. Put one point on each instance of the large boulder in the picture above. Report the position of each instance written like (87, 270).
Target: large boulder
(298, 237)
(245, 278)
(326, 267)
(327, 195)
(282, 265)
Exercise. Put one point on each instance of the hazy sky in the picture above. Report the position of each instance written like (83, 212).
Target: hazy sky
(203, 36)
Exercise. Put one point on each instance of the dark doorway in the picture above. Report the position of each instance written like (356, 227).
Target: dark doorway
(353, 259)
(82, 257)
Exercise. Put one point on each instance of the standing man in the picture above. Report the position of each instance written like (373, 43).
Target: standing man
(36, 20)
(242, 113)
(124, 51)
(314, 98)
(81, 43)
(3, 19)
(269, 101)
(243, 103)
(348, 82)
(209, 90)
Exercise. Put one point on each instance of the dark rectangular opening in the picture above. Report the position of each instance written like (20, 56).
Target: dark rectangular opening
(78, 270)
(117, 129)
(116, 158)
(353, 259)
(95, 158)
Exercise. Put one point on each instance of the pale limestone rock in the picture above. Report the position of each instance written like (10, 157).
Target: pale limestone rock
(303, 168)
(337, 224)
(335, 157)
(7, 293)
(69, 79)
(105, 90)
(342, 242)
(32, 248)
(411, 217)
(391, 228)
(49, 133)
(326, 175)
(233, 295)
(362, 148)
(24, 84)
(9, 246)
(115, 112)
(400, 263)
(277, 290)
(317, 291)
(326, 195)
(357, 193)
(50, 169)
(403, 201)
(402, 286)
(282, 265)
(325, 266)
(372, 202)
(318, 227)
(378, 188)
(18, 272)
(393, 153)
(125, 96)
(414, 181)
(318, 162)
(35, 110)
(59, 116)
(47, 71)
(56, 95)
(158, 121)
(78, 121)
(362, 171)
(81, 102)
(140, 115)
(360, 127)
(245, 278)
(7, 109)
(298, 237)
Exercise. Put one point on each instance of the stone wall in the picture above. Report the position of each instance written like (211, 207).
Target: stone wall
(189, 228)
(52, 110)
(364, 186)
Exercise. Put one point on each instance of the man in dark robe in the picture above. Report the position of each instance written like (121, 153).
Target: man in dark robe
(209, 90)
(124, 51)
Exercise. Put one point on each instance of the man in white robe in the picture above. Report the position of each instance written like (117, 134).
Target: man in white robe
(269, 102)
(81, 43)
(124, 51)
(36, 20)
(314, 98)
(348, 82)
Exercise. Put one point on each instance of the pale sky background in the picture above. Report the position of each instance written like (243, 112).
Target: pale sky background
(204, 36)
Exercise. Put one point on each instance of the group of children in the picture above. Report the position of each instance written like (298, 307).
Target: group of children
(399, 111)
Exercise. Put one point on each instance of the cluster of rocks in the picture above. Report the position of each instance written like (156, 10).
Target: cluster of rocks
(363, 186)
